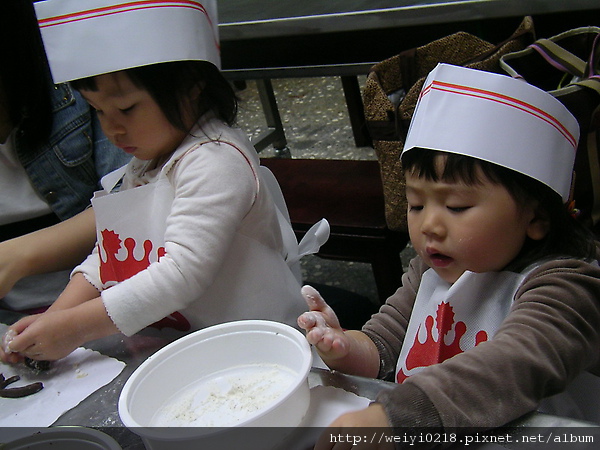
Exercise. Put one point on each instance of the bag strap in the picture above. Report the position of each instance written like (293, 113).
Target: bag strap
(591, 83)
(586, 72)
(592, 80)
(563, 60)
(559, 57)
(569, 63)
(586, 75)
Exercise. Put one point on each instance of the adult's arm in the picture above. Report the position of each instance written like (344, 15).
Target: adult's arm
(59, 247)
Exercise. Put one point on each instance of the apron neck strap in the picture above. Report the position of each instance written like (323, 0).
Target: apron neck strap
(110, 180)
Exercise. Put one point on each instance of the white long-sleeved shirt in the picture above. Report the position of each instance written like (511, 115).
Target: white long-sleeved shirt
(224, 253)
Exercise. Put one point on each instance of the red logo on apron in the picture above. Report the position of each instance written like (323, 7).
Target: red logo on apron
(431, 351)
(114, 269)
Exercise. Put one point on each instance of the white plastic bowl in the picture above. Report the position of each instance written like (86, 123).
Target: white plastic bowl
(209, 361)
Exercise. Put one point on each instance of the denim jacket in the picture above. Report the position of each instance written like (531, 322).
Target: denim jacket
(67, 170)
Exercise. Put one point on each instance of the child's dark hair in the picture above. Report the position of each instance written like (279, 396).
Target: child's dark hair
(566, 236)
(170, 84)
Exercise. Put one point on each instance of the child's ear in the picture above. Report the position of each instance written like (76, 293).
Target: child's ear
(539, 226)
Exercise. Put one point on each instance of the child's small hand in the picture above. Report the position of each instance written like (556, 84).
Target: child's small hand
(7, 352)
(45, 336)
(322, 326)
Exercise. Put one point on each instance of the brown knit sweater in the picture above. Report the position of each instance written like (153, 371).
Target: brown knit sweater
(551, 334)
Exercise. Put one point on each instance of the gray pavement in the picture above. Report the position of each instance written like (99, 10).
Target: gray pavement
(316, 125)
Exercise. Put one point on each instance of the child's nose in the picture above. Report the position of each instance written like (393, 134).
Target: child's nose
(112, 127)
(433, 224)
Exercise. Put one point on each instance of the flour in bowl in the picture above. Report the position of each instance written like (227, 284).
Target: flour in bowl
(225, 398)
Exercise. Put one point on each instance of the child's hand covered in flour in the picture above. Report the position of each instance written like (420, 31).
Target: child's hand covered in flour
(5, 350)
(322, 327)
(351, 351)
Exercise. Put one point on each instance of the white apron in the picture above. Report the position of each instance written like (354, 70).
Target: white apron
(128, 246)
(448, 319)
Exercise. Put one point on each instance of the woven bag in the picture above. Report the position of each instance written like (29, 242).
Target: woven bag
(392, 89)
(568, 67)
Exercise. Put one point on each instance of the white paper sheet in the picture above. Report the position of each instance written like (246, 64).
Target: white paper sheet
(66, 384)
(327, 403)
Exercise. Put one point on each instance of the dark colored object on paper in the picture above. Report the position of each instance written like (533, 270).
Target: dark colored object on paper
(40, 366)
(17, 392)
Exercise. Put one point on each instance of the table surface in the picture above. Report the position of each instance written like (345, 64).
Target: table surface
(100, 409)
(244, 19)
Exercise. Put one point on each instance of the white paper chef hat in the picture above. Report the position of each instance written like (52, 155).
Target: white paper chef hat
(499, 119)
(91, 37)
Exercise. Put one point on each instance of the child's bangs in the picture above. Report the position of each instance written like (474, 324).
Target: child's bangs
(441, 166)
(85, 84)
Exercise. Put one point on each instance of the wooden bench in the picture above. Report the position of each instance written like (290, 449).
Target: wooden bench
(349, 194)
